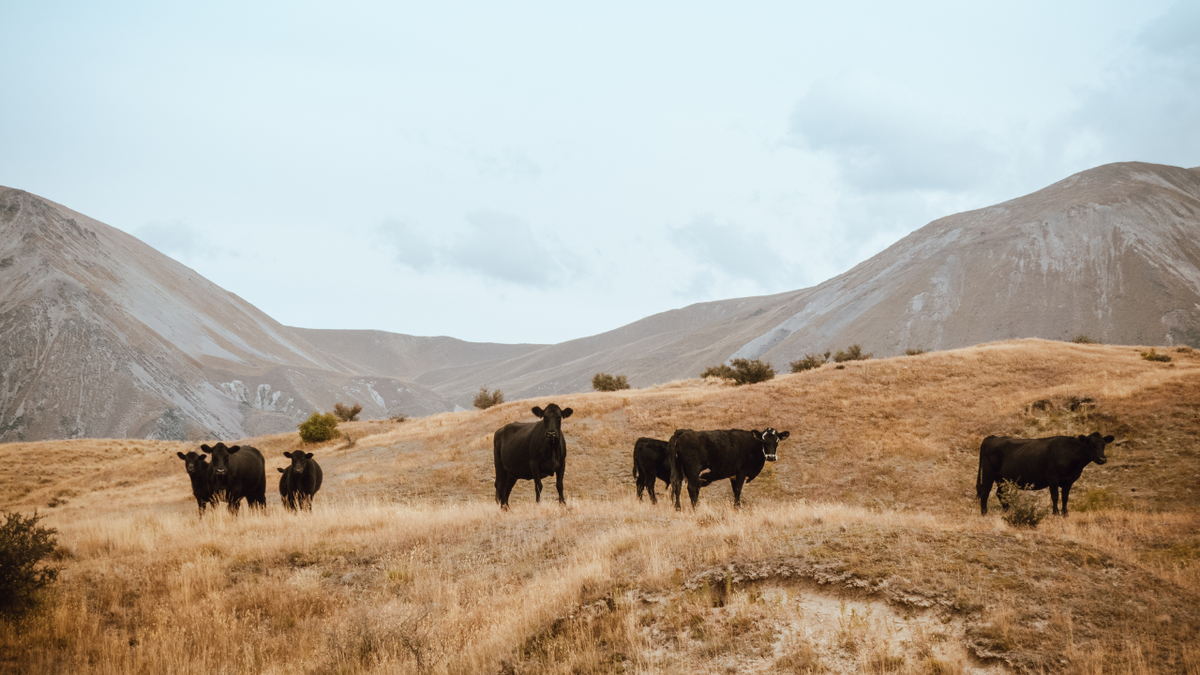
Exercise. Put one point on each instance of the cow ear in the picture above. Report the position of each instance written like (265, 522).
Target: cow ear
(234, 449)
(1109, 438)
(567, 412)
(205, 448)
(757, 434)
(308, 455)
(288, 455)
(279, 469)
(784, 434)
(182, 456)
(538, 412)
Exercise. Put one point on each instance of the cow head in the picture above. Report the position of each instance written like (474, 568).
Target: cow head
(553, 417)
(1095, 443)
(220, 457)
(770, 441)
(195, 463)
(300, 461)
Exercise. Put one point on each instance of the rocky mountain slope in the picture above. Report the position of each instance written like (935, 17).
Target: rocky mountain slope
(100, 335)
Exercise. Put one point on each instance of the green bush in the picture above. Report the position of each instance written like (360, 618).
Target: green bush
(1154, 356)
(347, 413)
(318, 428)
(913, 352)
(742, 371)
(809, 362)
(1024, 507)
(1085, 340)
(852, 353)
(606, 382)
(485, 399)
(24, 546)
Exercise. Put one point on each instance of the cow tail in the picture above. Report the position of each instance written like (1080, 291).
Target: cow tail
(676, 472)
(979, 473)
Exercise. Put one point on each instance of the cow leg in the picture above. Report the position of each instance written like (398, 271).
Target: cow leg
(558, 478)
(641, 485)
(1066, 490)
(235, 505)
(694, 492)
(1054, 499)
(650, 485)
(506, 490)
(984, 491)
(501, 479)
(737, 482)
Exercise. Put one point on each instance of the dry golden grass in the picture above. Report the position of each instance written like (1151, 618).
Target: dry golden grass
(861, 550)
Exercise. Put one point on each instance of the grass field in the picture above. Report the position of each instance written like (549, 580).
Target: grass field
(861, 550)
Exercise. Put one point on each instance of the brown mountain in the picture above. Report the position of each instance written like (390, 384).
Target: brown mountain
(104, 336)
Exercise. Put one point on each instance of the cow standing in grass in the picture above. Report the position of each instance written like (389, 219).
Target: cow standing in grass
(531, 451)
(238, 472)
(650, 464)
(1037, 463)
(200, 473)
(300, 481)
(728, 453)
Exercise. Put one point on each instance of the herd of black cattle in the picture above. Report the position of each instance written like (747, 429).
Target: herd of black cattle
(537, 450)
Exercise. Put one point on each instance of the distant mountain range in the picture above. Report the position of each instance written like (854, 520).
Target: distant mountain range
(102, 336)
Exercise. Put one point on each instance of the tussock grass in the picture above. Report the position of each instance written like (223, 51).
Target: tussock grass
(860, 550)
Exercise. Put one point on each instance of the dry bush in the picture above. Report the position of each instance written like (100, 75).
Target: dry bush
(1084, 340)
(318, 428)
(853, 353)
(913, 352)
(742, 371)
(606, 382)
(1023, 508)
(1155, 356)
(485, 399)
(347, 413)
(809, 362)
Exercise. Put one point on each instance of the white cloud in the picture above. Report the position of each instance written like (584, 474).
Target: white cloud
(738, 252)
(178, 239)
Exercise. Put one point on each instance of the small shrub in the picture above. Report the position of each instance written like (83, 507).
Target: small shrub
(722, 371)
(606, 382)
(401, 417)
(913, 352)
(1085, 340)
(1154, 356)
(809, 362)
(1184, 349)
(318, 428)
(347, 413)
(746, 371)
(485, 399)
(24, 546)
(853, 353)
(1024, 507)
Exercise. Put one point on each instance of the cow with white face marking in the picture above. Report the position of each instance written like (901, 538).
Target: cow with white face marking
(531, 451)
(238, 472)
(300, 481)
(726, 453)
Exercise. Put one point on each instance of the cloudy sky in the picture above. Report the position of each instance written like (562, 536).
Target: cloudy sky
(536, 172)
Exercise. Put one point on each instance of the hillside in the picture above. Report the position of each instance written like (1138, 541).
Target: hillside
(860, 550)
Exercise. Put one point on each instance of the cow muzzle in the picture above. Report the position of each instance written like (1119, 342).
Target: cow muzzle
(771, 458)
(1102, 460)
(219, 472)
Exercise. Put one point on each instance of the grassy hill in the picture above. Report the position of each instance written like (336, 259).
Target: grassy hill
(862, 549)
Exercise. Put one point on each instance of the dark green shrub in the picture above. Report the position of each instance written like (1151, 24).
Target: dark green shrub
(852, 353)
(723, 371)
(742, 371)
(809, 362)
(485, 399)
(913, 352)
(24, 547)
(1154, 356)
(1184, 349)
(318, 428)
(347, 413)
(1085, 340)
(606, 382)
(1024, 507)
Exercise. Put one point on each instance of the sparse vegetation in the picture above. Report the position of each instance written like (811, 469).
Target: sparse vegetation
(1084, 340)
(24, 571)
(1024, 508)
(853, 353)
(347, 413)
(485, 399)
(1184, 349)
(913, 352)
(1154, 356)
(399, 417)
(809, 362)
(742, 371)
(606, 382)
(318, 428)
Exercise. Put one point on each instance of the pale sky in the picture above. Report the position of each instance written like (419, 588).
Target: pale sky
(536, 172)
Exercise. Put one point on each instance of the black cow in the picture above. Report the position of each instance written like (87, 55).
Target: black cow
(531, 451)
(238, 472)
(650, 464)
(300, 481)
(728, 453)
(200, 473)
(1037, 463)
